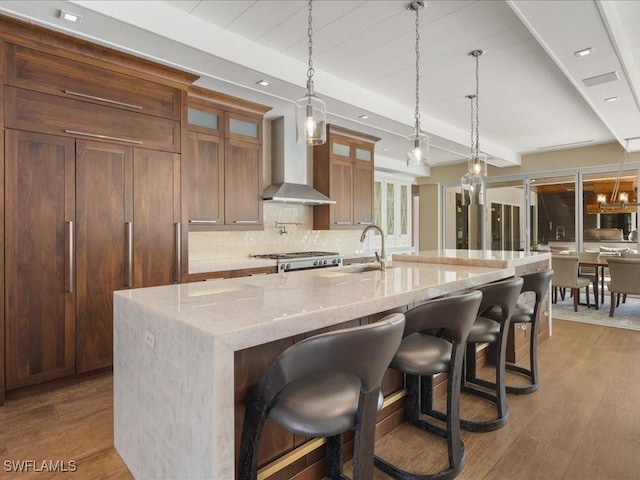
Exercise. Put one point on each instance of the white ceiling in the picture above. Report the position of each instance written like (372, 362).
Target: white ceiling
(532, 97)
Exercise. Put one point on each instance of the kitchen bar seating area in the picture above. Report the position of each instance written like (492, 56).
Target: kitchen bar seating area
(196, 318)
(217, 267)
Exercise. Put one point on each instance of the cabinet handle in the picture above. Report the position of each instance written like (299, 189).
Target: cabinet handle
(178, 251)
(129, 254)
(342, 223)
(103, 137)
(365, 223)
(203, 222)
(100, 99)
(71, 257)
(245, 221)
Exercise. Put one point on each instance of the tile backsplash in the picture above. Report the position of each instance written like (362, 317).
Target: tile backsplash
(302, 237)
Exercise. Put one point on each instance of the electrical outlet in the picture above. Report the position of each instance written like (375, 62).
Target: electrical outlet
(149, 339)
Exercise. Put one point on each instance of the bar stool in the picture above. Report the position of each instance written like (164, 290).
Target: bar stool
(322, 387)
(422, 355)
(537, 283)
(504, 295)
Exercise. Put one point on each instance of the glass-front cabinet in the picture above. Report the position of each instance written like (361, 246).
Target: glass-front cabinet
(392, 210)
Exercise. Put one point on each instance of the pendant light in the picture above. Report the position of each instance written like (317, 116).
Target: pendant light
(311, 112)
(618, 200)
(418, 147)
(472, 183)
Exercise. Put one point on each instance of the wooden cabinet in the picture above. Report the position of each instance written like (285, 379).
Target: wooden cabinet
(39, 283)
(222, 165)
(343, 170)
(83, 219)
(35, 111)
(103, 211)
(90, 195)
(156, 218)
(243, 184)
(43, 72)
(203, 164)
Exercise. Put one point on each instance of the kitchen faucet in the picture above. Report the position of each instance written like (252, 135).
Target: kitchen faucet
(382, 258)
(560, 233)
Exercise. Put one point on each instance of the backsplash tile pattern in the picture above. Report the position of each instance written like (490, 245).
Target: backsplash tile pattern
(218, 245)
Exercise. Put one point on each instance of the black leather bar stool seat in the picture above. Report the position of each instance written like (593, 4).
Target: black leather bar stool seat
(421, 355)
(523, 313)
(504, 295)
(319, 405)
(322, 387)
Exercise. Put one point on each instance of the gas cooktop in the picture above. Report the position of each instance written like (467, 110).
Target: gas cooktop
(288, 262)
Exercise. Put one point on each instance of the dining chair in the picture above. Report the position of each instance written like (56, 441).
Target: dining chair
(565, 268)
(591, 273)
(625, 279)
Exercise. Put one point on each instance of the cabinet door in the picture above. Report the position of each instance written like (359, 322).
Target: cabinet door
(341, 192)
(203, 180)
(156, 249)
(39, 290)
(102, 172)
(363, 194)
(243, 184)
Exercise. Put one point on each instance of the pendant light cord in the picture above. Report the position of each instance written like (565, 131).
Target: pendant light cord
(417, 112)
(616, 185)
(310, 70)
(477, 98)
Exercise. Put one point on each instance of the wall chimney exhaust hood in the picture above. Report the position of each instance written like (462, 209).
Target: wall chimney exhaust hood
(289, 167)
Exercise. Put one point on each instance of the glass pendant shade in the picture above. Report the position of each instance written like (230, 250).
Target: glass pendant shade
(472, 189)
(478, 165)
(476, 191)
(311, 119)
(418, 149)
(465, 189)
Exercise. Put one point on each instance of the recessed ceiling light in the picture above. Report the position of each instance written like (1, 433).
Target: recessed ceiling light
(364, 117)
(385, 149)
(583, 53)
(70, 17)
(263, 83)
(611, 99)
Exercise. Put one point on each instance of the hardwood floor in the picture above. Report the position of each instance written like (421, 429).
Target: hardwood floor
(583, 423)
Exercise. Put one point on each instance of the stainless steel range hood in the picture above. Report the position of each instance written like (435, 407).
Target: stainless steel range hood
(289, 167)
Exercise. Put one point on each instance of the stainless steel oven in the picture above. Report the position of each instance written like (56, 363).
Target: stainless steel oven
(288, 262)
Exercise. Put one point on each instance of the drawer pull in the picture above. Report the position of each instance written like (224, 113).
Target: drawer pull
(103, 137)
(245, 221)
(342, 223)
(178, 232)
(100, 99)
(72, 280)
(364, 223)
(129, 254)
(203, 222)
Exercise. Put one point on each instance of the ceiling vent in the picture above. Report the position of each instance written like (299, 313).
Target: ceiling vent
(600, 79)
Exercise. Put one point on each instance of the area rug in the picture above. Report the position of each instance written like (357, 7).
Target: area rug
(627, 315)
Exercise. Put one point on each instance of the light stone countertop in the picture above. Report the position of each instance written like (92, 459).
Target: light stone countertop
(249, 311)
(477, 258)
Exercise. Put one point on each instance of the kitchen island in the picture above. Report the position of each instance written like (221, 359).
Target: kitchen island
(175, 382)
